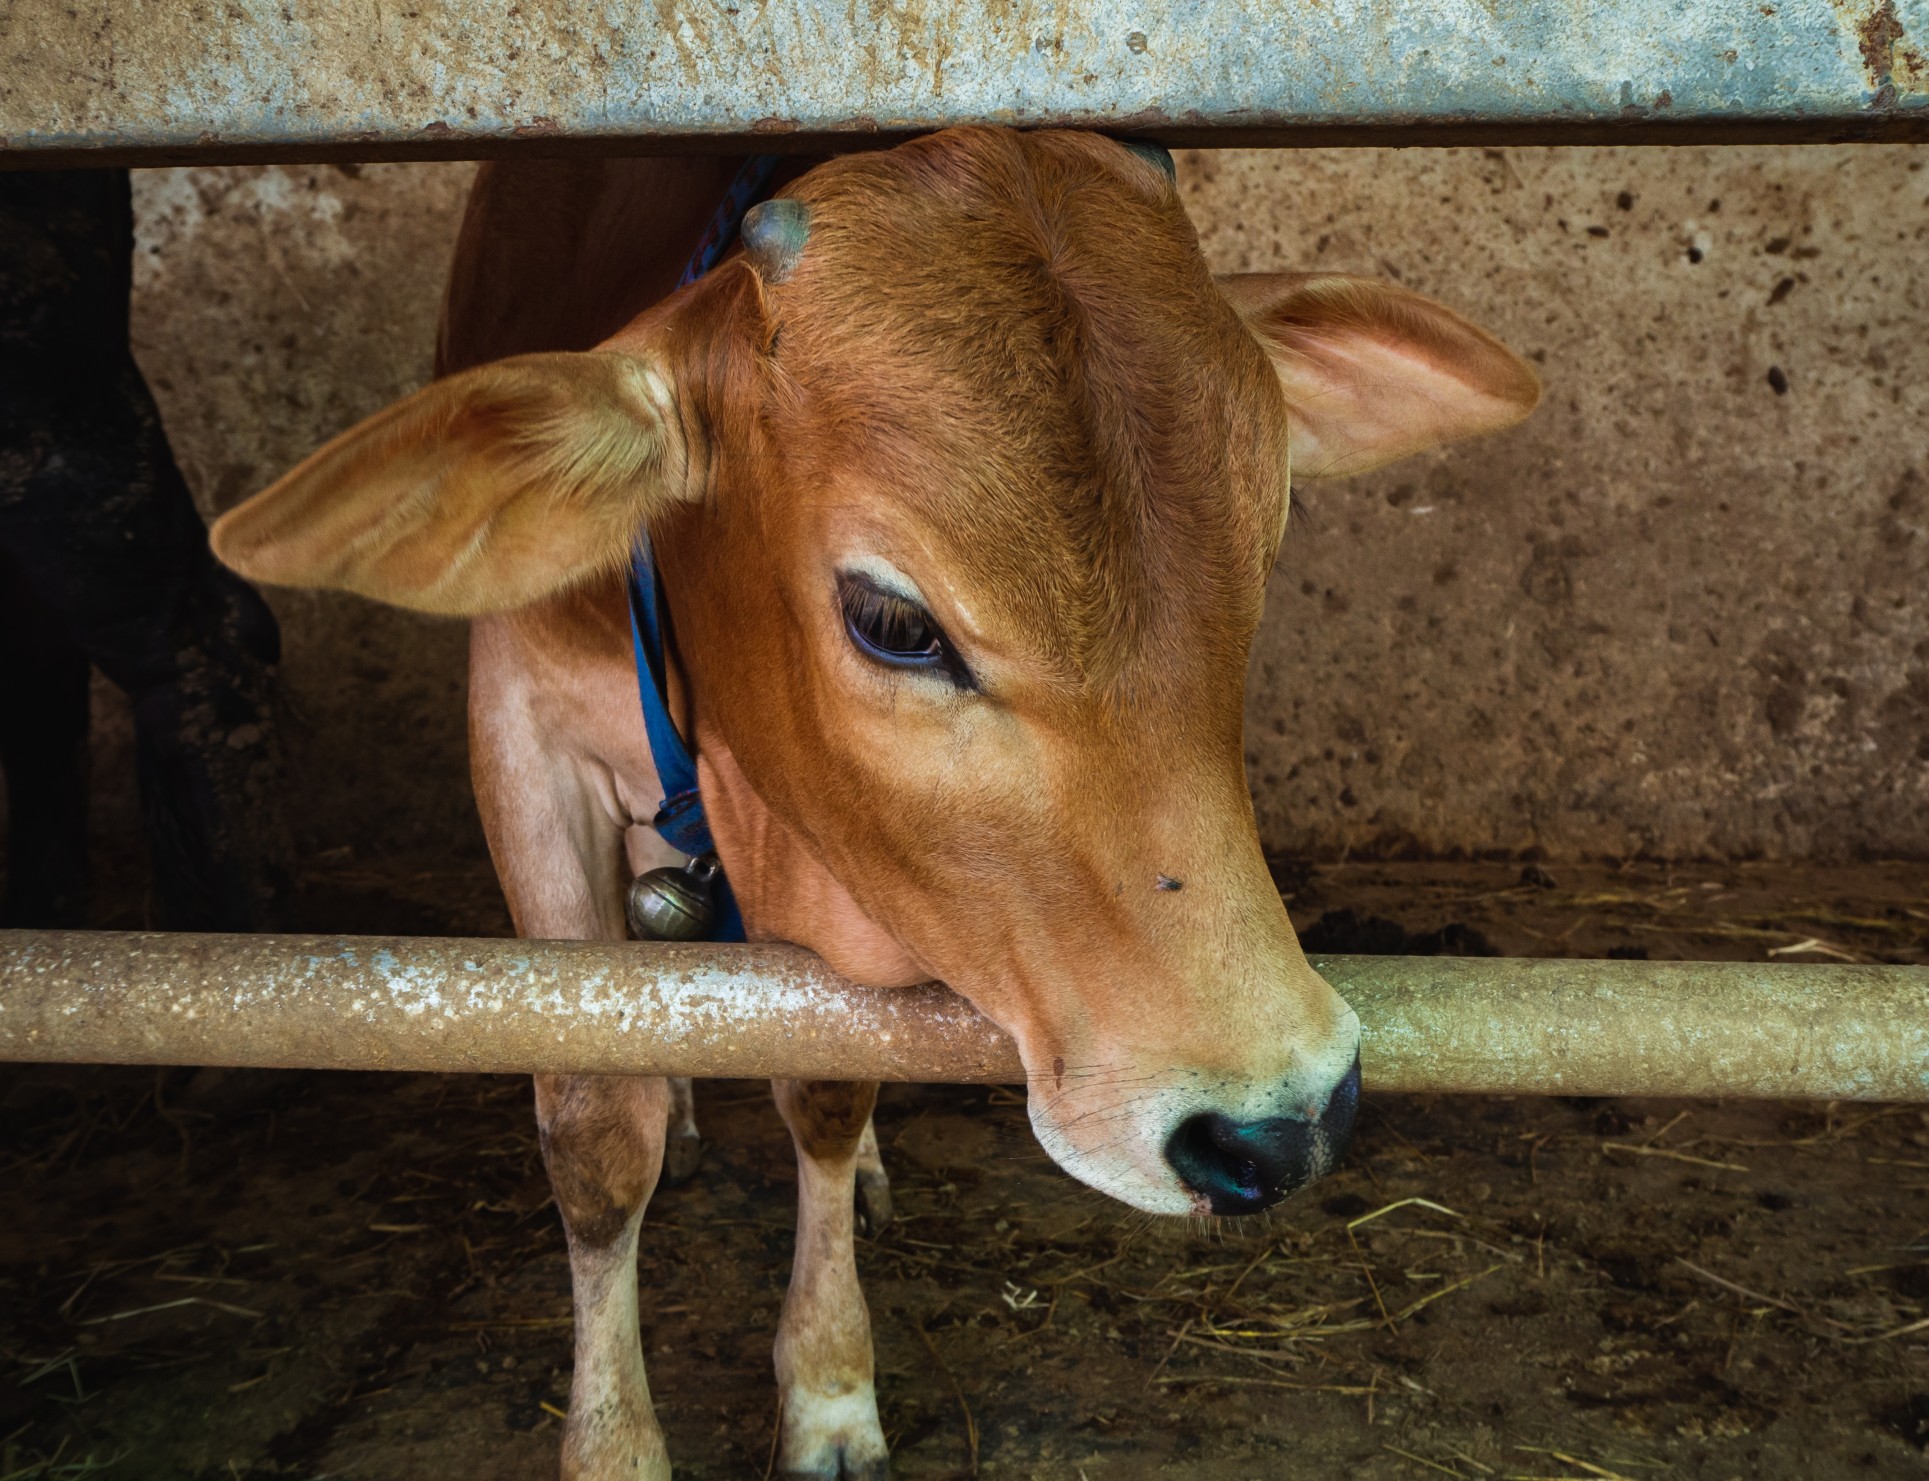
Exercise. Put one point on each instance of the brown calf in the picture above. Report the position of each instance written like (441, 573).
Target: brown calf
(964, 515)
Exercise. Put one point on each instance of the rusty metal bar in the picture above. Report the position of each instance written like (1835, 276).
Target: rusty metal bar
(1431, 1023)
(150, 82)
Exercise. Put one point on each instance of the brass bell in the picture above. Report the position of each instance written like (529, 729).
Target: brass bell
(674, 903)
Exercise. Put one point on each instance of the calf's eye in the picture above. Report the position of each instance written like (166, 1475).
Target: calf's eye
(892, 630)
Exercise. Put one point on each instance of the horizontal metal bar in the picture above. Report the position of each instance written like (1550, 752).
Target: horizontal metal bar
(287, 79)
(1431, 1023)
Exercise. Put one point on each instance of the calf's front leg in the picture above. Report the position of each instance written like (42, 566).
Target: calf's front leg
(602, 1141)
(556, 829)
(825, 1373)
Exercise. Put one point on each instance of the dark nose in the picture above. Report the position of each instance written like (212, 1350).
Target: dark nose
(1244, 1166)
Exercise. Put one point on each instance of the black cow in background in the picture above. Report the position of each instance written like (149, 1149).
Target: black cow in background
(104, 562)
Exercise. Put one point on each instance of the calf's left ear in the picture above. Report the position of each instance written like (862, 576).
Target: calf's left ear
(1372, 372)
(485, 491)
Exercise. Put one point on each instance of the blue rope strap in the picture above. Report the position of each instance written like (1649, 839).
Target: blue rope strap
(679, 816)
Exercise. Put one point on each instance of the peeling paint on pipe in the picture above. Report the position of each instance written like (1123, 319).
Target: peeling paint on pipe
(294, 79)
(1431, 1023)
(400, 1003)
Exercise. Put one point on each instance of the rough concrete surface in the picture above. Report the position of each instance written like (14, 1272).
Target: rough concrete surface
(1680, 612)
(430, 80)
(273, 308)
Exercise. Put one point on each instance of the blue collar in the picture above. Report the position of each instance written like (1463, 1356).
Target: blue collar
(679, 816)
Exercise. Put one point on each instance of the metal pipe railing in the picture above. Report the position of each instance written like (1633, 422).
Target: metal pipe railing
(1431, 1023)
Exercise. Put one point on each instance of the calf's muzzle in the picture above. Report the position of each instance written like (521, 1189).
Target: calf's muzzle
(1244, 1167)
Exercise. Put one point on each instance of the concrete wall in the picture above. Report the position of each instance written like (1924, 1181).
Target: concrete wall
(274, 307)
(1682, 611)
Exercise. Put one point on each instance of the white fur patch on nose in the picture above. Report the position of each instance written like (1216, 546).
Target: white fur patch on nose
(1118, 1144)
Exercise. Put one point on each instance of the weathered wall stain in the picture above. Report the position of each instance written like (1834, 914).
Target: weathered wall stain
(1675, 613)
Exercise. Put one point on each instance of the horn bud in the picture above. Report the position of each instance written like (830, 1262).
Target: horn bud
(774, 234)
(1156, 155)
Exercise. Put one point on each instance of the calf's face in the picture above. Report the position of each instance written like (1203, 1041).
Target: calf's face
(965, 482)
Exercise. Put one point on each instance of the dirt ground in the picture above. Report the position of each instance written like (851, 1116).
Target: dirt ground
(326, 1275)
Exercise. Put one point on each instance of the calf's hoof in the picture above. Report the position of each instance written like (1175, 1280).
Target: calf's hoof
(833, 1437)
(682, 1155)
(873, 1200)
(844, 1470)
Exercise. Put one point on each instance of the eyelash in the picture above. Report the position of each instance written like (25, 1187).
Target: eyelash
(895, 632)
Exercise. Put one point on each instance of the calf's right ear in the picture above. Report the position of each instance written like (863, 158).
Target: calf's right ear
(488, 490)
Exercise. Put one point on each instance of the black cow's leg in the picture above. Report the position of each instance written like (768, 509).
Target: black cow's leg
(100, 528)
(43, 750)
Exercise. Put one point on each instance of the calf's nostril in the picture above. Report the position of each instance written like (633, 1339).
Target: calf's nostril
(1242, 1167)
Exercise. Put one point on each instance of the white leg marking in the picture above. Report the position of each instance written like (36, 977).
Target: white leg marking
(612, 1433)
(602, 1142)
(825, 1373)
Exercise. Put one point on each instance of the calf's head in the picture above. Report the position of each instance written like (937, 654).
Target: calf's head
(965, 482)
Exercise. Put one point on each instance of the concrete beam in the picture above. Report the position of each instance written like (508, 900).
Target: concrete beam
(156, 81)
